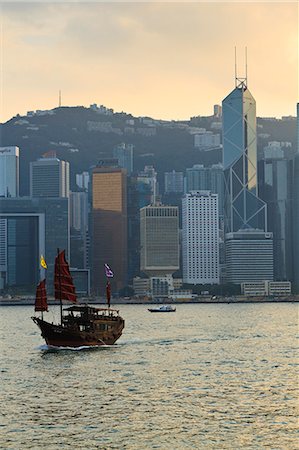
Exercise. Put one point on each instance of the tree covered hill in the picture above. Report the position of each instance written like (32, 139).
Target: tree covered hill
(84, 135)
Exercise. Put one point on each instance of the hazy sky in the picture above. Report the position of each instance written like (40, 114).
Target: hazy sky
(165, 60)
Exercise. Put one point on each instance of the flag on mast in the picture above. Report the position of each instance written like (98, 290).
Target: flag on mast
(108, 271)
(43, 262)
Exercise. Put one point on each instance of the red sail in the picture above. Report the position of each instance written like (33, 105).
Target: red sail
(63, 282)
(41, 297)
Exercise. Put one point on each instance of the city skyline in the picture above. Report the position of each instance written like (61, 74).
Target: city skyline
(168, 61)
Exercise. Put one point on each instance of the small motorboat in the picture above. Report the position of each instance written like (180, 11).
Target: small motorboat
(163, 308)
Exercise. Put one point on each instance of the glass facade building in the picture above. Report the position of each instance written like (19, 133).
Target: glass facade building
(124, 154)
(275, 175)
(295, 196)
(35, 226)
(242, 206)
(200, 178)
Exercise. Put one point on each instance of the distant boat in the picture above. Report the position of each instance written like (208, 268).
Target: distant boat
(80, 325)
(163, 308)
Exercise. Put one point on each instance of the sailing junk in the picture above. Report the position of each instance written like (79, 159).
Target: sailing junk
(80, 325)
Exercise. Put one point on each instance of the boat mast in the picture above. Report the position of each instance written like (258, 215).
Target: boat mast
(59, 278)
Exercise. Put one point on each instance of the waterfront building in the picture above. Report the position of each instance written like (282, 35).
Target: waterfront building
(109, 225)
(49, 177)
(200, 178)
(242, 206)
(275, 176)
(249, 256)
(266, 288)
(124, 155)
(174, 182)
(34, 227)
(159, 239)
(200, 238)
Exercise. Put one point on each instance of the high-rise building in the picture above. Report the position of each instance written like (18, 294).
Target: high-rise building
(124, 154)
(149, 177)
(200, 238)
(49, 177)
(82, 180)
(109, 225)
(159, 239)
(34, 227)
(295, 234)
(9, 171)
(249, 256)
(174, 182)
(275, 177)
(9, 188)
(200, 178)
(242, 206)
(79, 211)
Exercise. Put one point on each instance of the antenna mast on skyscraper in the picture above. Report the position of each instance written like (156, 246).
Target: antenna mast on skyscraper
(240, 83)
(59, 98)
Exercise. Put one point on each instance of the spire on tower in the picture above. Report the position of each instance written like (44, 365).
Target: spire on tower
(59, 104)
(241, 82)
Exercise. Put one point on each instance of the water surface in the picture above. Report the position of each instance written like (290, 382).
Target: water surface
(205, 377)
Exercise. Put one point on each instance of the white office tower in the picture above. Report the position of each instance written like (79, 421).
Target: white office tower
(9, 171)
(159, 239)
(49, 177)
(9, 187)
(200, 238)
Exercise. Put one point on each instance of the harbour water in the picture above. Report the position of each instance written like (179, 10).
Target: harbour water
(206, 377)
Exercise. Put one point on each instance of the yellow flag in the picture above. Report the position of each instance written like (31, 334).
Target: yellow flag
(43, 262)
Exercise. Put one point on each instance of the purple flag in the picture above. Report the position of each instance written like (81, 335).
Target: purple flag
(108, 271)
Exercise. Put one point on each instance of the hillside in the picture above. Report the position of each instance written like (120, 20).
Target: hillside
(84, 135)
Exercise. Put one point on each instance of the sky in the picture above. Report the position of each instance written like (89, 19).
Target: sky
(170, 60)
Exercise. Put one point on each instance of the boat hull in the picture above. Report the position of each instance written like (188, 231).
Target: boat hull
(161, 311)
(66, 336)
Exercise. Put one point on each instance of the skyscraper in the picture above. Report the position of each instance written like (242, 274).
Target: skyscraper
(49, 177)
(159, 239)
(9, 188)
(200, 178)
(200, 238)
(275, 175)
(295, 234)
(124, 154)
(174, 182)
(249, 256)
(9, 171)
(109, 225)
(242, 206)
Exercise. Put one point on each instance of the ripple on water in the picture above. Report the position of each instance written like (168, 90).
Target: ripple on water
(210, 376)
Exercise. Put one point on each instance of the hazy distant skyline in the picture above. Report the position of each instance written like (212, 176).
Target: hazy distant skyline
(164, 60)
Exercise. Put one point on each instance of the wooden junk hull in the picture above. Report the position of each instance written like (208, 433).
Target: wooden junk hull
(68, 336)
